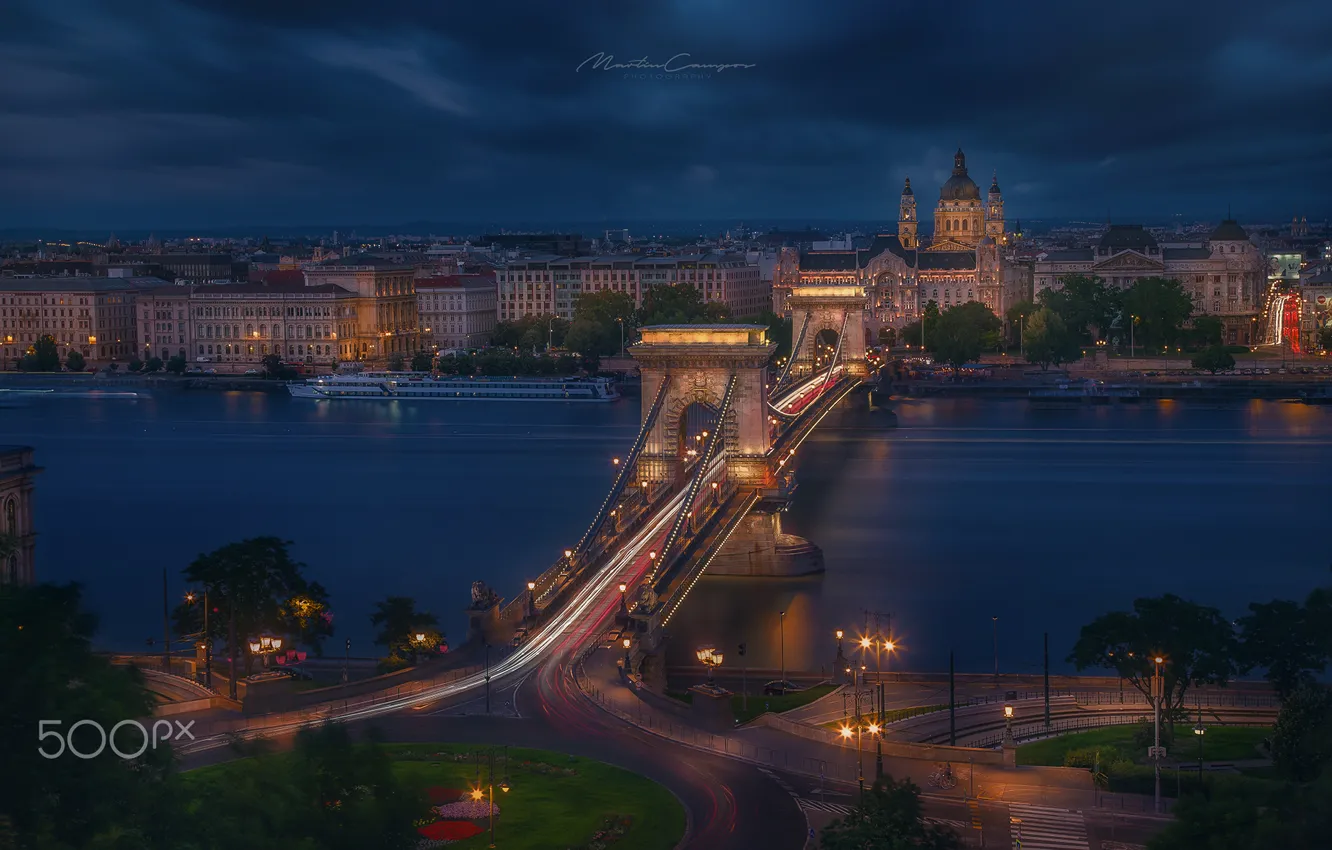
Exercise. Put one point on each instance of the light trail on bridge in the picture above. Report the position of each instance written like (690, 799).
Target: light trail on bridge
(558, 635)
(800, 397)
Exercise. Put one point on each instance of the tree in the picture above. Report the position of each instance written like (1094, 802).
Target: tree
(422, 361)
(779, 332)
(1233, 817)
(912, 334)
(1214, 359)
(53, 679)
(1205, 333)
(1161, 307)
(258, 582)
(330, 793)
(679, 304)
(42, 356)
(74, 361)
(1085, 304)
(1048, 340)
(1285, 638)
(154, 364)
(887, 337)
(178, 364)
(599, 317)
(395, 362)
(888, 817)
(135, 363)
(399, 625)
(962, 331)
(1015, 319)
(1302, 737)
(1197, 643)
(272, 364)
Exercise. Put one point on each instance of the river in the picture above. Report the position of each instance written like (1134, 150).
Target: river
(967, 511)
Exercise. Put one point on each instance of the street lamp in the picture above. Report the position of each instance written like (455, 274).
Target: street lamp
(531, 600)
(627, 668)
(624, 604)
(1157, 753)
(711, 659)
(207, 637)
(1008, 724)
(1200, 731)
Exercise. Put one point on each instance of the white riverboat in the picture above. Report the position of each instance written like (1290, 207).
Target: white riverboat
(423, 385)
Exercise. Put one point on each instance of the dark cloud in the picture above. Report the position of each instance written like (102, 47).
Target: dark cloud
(187, 112)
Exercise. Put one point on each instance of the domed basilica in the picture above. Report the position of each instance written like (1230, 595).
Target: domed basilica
(961, 261)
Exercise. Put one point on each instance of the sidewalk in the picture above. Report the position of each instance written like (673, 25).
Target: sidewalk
(600, 679)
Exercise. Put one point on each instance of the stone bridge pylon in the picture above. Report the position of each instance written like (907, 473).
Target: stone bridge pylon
(700, 362)
(838, 309)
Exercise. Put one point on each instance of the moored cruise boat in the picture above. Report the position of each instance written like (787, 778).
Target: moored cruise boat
(422, 385)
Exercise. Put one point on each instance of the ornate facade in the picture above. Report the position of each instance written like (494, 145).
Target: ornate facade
(1225, 274)
(16, 487)
(963, 261)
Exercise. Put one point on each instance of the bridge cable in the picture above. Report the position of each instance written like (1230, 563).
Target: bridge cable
(626, 468)
(837, 355)
(795, 350)
(714, 441)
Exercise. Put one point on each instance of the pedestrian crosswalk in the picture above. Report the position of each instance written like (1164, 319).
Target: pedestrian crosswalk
(820, 806)
(1042, 828)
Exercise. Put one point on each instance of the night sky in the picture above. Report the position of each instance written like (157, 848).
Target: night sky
(172, 113)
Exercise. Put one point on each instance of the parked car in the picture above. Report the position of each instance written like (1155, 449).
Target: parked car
(210, 371)
(295, 673)
(194, 370)
(777, 687)
(253, 372)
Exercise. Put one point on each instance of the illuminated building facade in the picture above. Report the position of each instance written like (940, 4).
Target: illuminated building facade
(550, 285)
(16, 501)
(1225, 274)
(456, 311)
(963, 260)
(92, 315)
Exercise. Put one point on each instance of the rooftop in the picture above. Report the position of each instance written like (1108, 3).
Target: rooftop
(78, 284)
(362, 261)
(259, 288)
(455, 281)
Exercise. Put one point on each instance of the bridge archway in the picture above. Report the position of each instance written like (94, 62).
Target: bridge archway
(835, 309)
(698, 362)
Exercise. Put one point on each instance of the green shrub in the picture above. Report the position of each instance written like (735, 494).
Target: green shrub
(1108, 759)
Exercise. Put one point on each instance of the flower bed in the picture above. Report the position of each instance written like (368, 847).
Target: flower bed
(466, 809)
(447, 831)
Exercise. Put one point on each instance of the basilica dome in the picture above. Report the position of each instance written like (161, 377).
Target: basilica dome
(959, 187)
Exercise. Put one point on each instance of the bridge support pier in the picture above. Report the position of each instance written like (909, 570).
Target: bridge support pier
(759, 547)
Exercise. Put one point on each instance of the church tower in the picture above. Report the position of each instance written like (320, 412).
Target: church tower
(994, 213)
(906, 219)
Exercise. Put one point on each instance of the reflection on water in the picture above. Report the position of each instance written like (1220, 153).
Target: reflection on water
(969, 509)
(972, 509)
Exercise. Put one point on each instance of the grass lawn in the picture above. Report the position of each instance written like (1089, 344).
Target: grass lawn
(1222, 743)
(758, 704)
(554, 800)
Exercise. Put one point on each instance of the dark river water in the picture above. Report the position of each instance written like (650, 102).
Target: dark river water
(968, 510)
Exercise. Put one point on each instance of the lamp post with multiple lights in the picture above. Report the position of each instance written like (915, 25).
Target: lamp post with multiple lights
(207, 636)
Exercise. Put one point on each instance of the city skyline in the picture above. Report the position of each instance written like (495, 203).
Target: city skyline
(166, 113)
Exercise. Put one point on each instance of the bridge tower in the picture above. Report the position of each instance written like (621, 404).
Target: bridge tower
(823, 311)
(699, 362)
